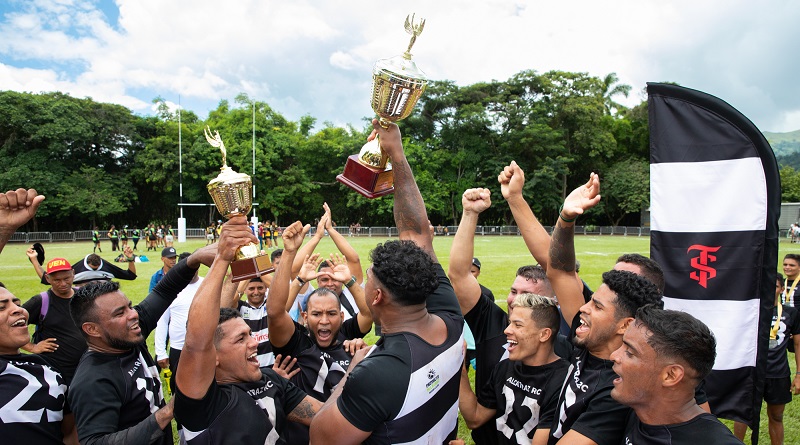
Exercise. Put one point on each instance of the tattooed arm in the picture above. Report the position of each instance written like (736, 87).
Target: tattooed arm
(305, 411)
(410, 215)
(561, 272)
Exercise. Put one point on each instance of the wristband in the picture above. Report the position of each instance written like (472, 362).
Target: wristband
(351, 282)
(565, 219)
(300, 280)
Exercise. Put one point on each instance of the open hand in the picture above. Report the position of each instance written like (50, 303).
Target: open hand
(582, 198)
(283, 366)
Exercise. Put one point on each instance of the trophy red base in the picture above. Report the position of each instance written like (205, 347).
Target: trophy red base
(368, 181)
(249, 268)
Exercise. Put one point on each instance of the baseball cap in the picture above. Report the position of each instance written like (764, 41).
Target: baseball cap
(169, 252)
(476, 262)
(57, 265)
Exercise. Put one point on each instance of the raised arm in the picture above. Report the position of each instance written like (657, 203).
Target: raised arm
(281, 325)
(198, 358)
(511, 180)
(353, 261)
(131, 259)
(410, 215)
(474, 201)
(309, 247)
(17, 207)
(33, 256)
(342, 274)
(307, 273)
(561, 272)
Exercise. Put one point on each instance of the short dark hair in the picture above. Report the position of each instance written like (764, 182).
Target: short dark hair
(650, 268)
(275, 254)
(544, 311)
(633, 292)
(82, 307)
(678, 335)
(225, 314)
(792, 256)
(184, 255)
(780, 277)
(532, 273)
(94, 259)
(319, 291)
(405, 270)
(324, 263)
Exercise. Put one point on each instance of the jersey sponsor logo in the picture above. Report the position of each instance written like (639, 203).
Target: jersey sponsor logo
(261, 337)
(258, 391)
(434, 380)
(704, 271)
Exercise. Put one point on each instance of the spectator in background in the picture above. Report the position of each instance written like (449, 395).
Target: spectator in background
(168, 256)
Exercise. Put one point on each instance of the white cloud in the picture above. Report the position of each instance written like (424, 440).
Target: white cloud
(315, 57)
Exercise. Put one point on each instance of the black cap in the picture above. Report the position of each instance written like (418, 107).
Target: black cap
(169, 252)
(39, 252)
(476, 262)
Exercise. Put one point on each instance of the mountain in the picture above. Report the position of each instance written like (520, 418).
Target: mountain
(784, 144)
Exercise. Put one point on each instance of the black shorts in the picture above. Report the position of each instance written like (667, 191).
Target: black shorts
(778, 391)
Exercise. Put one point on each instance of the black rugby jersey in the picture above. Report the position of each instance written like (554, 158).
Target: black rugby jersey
(704, 429)
(416, 401)
(32, 400)
(227, 413)
(525, 398)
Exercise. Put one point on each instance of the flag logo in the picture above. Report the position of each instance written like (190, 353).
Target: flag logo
(700, 262)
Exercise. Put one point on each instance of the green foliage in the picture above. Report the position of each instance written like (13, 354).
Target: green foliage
(790, 185)
(558, 126)
(626, 189)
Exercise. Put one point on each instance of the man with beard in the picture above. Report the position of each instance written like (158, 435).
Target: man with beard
(406, 388)
(664, 356)
(116, 393)
(319, 348)
(222, 395)
(586, 412)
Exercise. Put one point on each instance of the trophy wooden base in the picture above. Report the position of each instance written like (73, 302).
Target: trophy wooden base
(249, 268)
(369, 182)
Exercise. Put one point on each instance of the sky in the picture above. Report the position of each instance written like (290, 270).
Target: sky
(307, 57)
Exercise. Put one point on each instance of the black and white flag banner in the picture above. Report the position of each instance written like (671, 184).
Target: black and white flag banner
(715, 202)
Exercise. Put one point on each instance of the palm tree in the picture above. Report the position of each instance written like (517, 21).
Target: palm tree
(611, 88)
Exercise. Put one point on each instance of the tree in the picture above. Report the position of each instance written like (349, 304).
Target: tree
(626, 189)
(611, 88)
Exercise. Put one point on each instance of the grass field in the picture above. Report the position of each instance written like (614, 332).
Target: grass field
(500, 258)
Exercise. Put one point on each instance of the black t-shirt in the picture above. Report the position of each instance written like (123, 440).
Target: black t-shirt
(32, 400)
(406, 389)
(585, 404)
(704, 429)
(487, 322)
(227, 414)
(115, 396)
(525, 398)
(486, 291)
(57, 324)
(320, 368)
(777, 359)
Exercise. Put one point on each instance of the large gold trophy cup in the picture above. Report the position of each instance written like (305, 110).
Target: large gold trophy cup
(231, 194)
(397, 85)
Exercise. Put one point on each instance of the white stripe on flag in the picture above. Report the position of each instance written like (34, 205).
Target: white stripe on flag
(716, 196)
(734, 324)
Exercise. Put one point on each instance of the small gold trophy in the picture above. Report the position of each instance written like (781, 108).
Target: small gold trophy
(397, 85)
(231, 194)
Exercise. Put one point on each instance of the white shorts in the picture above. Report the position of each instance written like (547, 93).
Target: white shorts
(169, 238)
(210, 236)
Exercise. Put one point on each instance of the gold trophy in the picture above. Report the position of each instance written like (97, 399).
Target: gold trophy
(397, 85)
(231, 194)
